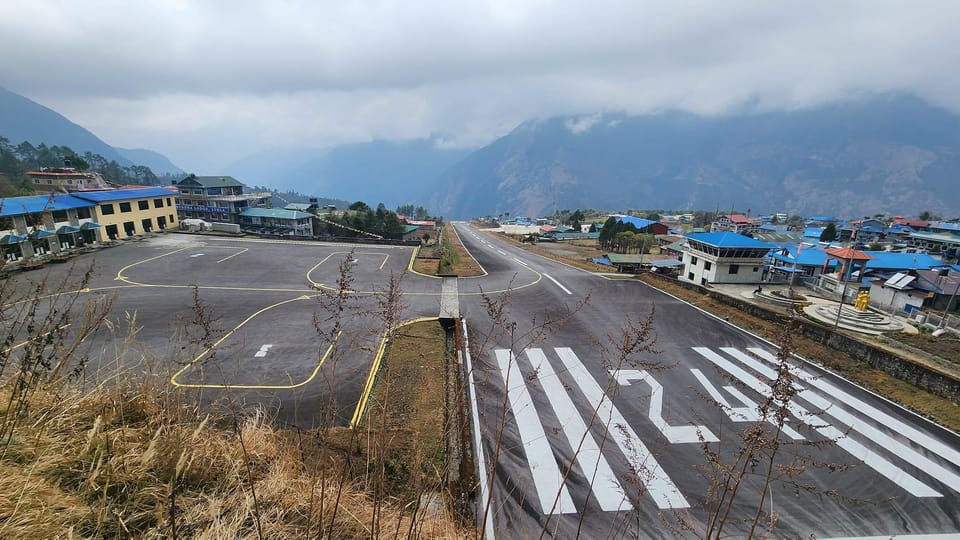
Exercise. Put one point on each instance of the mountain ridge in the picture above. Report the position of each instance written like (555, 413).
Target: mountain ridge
(879, 155)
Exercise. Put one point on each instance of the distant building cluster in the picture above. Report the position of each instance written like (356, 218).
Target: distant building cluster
(897, 264)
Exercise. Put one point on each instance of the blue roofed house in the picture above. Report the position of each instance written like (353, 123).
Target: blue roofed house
(31, 226)
(723, 257)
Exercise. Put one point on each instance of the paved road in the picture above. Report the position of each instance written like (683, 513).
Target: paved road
(583, 439)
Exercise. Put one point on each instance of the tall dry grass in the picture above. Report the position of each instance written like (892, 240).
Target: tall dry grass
(134, 457)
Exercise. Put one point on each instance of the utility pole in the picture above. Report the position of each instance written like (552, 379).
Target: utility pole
(943, 320)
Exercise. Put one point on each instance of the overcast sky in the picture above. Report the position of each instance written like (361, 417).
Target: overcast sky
(208, 82)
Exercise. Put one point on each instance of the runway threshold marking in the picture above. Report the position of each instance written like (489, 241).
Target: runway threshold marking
(837, 411)
(870, 458)
(934, 445)
(542, 464)
(604, 484)
(749, 412)
(199, 357)
(547, 476)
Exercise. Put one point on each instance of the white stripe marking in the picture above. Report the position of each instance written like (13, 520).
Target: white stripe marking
(547, 477)
(519, 261)
(263, 351)
(885, 441)
(557, 283)
(603, 482)
(649, 471)
(749, 413)
(934, 445)
(857, 450)
(502, 252)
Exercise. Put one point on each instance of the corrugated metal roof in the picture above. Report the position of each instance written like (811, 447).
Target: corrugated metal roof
(124, 194)
(728, 239)
(639, 223)
(278, 213)
(212, 181)
(18, 206)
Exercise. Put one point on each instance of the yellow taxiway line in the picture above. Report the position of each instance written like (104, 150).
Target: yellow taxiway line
(173, 379)
(22, 343)
(374, 369)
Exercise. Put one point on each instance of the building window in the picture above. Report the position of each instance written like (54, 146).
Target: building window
(143, 205)
(734, 268)
(171, 218)
(168, 202)
(690, 276)
(83, 213)
(124, 207)
(36, 180)
(106, 209)
(60, 215)
(707, 265)
(129, 228)
(756, 268)
(158, 203)
(693, 261)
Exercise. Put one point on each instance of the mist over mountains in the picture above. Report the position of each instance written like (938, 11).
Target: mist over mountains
(889, 155)
(883, 155)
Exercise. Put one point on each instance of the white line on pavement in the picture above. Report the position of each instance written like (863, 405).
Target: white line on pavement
(870, 458)
(748, 413)
(934, 445)
(557, 283)
(835, 410)
(603, 482)
(649, 471)
(547, 477)
(519, 261)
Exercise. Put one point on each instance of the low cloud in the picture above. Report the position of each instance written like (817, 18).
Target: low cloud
(208, 82)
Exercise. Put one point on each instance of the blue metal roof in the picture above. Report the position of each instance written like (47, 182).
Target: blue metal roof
(639, 223)
(33, 204)
(729, 239)
(808, 256)
(124, 194)
(884, 260)
(813, 232)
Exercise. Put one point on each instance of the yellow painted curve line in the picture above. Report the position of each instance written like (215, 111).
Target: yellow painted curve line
(372, 376)
(22, 343)
(413, 257)
(173, 379)
(318, 285)
(120, 272)
(242, 250)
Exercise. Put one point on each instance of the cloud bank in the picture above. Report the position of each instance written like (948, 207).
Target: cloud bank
(209, 82)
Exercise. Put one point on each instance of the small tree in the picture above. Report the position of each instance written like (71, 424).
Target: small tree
(829, 233)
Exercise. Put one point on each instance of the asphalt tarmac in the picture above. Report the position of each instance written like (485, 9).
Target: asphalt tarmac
(586, 434)
(593, 424)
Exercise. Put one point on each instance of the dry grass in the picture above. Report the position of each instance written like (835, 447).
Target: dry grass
(111, 463)
(139, 459)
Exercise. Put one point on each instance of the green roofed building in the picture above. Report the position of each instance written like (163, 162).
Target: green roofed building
(279, 221)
